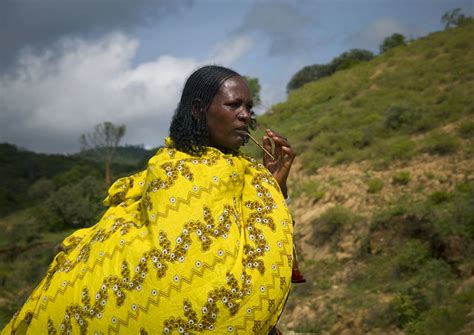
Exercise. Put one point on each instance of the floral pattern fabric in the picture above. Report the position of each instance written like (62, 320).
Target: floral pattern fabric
(192, 245)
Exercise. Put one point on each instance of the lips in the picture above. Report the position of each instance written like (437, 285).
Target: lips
(244, 129)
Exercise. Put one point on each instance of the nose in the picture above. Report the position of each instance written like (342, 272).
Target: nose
(244, 114)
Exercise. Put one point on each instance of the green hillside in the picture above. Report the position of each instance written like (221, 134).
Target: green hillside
(383, 192)
(20, 169)
(43, 199)
(381, 110)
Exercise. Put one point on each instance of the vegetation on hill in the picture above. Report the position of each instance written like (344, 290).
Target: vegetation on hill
(388, 109)
(43, 199)
(317, 71)
(386, 250)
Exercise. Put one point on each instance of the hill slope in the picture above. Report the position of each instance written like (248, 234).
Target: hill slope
(383, 191)
(381, 110)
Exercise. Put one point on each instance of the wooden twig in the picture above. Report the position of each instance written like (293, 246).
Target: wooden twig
(261, 147)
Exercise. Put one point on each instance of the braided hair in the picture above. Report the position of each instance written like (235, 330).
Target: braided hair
(188, 128)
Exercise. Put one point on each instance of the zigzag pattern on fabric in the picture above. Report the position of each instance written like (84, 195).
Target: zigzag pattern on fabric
(155, 302)
(181, 201)
(155, 298)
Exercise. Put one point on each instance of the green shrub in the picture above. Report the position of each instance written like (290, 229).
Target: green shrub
(384, 217)
(404, 309)
(463, 212)
(399, 148)
(375, 185)
(330, 223)
(343, 157)
(466, 130)
(439, 197)
(41, 189)
(310, 188)
(399, 116)
(401, 178)
(439, 143)
(448, 318)
(412, 255)
(426, 283)
(74, 205)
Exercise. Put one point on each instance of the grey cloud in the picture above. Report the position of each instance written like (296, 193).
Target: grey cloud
(38, 24)
(47, 105)
(282, 23)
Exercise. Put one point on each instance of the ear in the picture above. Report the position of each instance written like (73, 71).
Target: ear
(197, 109)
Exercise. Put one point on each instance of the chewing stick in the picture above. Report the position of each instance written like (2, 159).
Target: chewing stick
(261, 147)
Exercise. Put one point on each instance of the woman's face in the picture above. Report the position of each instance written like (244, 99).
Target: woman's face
(229, 114)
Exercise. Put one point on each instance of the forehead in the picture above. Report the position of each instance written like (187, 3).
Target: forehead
(234, 87)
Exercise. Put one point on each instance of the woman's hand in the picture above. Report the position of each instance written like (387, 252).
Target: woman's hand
(284, 157)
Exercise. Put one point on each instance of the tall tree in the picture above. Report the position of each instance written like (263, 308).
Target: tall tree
(254, 87)
(103, 140)
(392, 41)
(453, 18)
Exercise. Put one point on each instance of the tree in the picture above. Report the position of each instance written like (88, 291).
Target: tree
(254, 87)
(317, 71)
(392, 41)
(453, 18)
(350, 58)
(307, 74)
(103, 140)
(75, 205)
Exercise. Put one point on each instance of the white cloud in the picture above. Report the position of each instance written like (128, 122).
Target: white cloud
(48, 104)
(229, 51)
(53, 98)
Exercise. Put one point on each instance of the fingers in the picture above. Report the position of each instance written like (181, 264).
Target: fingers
(288, 155)
(282, 149)
(278, 139)
(267, 145)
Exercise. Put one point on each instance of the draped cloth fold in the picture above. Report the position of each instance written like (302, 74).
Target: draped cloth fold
(193, 244)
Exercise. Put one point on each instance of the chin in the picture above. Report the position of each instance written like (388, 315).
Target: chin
(233, 143)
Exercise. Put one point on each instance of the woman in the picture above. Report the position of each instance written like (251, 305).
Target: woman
(200, 242)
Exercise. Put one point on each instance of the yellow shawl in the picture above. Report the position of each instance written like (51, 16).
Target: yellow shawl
(190, 245)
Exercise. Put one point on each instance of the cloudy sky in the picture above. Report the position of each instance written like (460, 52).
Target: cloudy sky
(67, 65)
